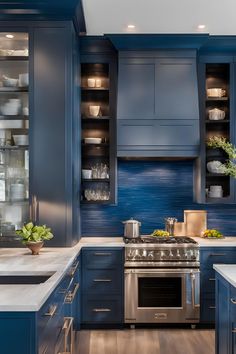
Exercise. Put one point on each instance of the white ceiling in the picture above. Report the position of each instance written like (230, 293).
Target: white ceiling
(160, 16)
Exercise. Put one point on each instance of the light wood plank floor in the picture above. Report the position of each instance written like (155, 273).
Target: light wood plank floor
(146, 341)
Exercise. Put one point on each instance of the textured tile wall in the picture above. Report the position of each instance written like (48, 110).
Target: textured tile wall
(150, 191)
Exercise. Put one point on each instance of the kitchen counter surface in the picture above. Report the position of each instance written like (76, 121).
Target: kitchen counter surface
(227, 271)
(224, 242)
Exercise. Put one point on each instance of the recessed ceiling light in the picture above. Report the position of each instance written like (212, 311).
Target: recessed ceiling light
(201, 26)
(10, 36)
(131, 26)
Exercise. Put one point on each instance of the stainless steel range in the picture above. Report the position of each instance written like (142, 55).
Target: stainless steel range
(162, 280)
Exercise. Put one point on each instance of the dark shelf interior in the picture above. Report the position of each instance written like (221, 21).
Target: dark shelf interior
(14, 58)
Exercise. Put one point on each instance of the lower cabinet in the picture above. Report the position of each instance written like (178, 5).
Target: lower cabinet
(225, 317)
(208, 257)
(102, 286)
(49, 330)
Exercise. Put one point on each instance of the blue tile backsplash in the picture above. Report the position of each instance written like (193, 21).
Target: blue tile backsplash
(149, 192)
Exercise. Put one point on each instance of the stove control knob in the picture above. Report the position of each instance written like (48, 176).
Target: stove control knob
(150, 255)
(178, 254)
(137, 254)
(144, 255)
(163, 255)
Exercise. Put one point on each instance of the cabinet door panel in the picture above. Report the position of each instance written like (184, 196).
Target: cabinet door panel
(177, 133)
(176, 92)
(103, 309)
(136, 89)
(135, 132)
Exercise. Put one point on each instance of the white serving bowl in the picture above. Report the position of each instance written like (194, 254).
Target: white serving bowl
(93, 140)
(9, 82)
(216, 114)
(86, 174)
(215, 167)
(21, 139)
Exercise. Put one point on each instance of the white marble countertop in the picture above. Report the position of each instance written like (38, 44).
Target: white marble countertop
(224, 242)
(227, 271)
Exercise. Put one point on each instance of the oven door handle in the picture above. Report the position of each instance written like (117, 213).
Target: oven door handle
(149, 271)
(193, 289)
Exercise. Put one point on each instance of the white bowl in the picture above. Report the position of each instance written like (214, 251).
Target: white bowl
(21, 139)
(86, 174)
(215, 167)
(9, 82)
(216, 114)
(94, 110)
(93, 140)
(8, 110)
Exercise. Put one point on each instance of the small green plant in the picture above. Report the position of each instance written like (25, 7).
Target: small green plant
(216, 142)
(34, 233)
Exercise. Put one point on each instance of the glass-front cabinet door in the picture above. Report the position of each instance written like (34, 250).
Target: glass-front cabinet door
(14, 132)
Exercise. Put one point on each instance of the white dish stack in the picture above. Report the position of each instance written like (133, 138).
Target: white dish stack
(216, 192)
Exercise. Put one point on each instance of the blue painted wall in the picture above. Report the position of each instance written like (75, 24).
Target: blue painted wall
(149, 192)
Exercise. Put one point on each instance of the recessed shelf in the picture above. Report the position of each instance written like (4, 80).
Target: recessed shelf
(223, 200)
(208, 121)
(89, 118)
(14, 58)
(216, 175)
(11, 117)
(95, 145)
(94, 88)
(14, 147)
(13, 89)
(107, 180)
(217, 98)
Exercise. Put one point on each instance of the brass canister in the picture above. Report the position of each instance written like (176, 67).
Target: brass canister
(195, 221)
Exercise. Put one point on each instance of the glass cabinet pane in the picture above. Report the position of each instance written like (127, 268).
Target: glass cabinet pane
(14, 132)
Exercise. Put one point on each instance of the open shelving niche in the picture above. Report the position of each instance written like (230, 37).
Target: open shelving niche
(99, 126)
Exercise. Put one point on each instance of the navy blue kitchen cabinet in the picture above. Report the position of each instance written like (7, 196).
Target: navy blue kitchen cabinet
(225, 316)
(208, 257)
(102, 286)
(51, 328)
(54, 166)
(157, 110)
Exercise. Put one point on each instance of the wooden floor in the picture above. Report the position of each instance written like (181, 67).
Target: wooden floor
(146, 341)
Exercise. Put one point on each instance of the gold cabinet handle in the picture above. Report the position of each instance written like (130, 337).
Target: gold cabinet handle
(101, 310)
(102, 253)
(233, 301)
(212, 279)
(73, 269)
(71, 294)
(102, 280)
(51, 311)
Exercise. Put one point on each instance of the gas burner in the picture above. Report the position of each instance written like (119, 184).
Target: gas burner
(160, 240)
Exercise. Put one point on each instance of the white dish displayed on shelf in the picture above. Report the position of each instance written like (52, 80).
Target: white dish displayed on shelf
(24, 80)
(215, 167)
(21, 139)
(11, 107)
(94, 110)
(216, 114)
(216, 92)
(9, 82)
(86, 174)
(93, 140)
(14, 124)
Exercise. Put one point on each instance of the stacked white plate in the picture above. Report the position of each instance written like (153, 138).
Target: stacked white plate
(17, 191)
(216, 192)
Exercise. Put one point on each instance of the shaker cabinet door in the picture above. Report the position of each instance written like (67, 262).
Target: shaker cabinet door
(136, 87)
(176, 91)
(131, 132)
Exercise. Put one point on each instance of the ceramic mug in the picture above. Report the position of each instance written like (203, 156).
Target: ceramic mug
(94, 111)
(91, 82)
(98, 83)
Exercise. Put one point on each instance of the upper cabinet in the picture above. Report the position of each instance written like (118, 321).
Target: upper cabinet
(158, 113)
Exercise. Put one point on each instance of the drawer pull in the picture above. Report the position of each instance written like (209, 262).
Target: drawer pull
(101, 310)
(102, 253)
(212, 307)
(102, 280)
(71, 294)
(212, 279)
(217, 254)
(51, 311)
(73, 269)
(233, 301)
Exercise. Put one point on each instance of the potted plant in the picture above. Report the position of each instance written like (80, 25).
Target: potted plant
(33, 236)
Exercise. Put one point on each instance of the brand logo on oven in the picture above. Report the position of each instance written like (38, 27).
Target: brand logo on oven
(161, 316)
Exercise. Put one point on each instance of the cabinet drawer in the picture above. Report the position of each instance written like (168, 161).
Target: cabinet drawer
(103, 281)
(208, 281)
(217, 256)
(102, 258)
(102, 309)
(207, 310)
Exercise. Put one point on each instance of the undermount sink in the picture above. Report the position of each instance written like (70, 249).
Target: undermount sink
(13, 279)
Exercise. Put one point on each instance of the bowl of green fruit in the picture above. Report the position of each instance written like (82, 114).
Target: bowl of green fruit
(160, 233)
(212, 233)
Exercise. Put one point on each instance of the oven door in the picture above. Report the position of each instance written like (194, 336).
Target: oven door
(162, 295)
